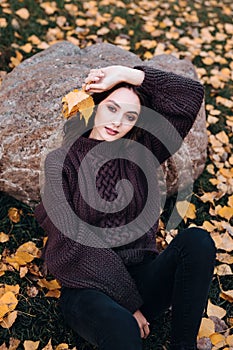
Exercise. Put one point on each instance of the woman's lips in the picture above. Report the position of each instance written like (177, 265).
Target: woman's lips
(111, 131)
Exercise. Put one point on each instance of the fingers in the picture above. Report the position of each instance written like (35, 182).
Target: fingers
(94, 75)
(92, 81)
(145, 330)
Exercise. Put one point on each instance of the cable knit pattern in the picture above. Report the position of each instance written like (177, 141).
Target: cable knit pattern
(80, 265)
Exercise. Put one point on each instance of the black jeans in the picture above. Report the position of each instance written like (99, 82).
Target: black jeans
(179, 277)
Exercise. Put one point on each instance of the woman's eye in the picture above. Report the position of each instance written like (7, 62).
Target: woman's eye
(112, 109)
(131, 118)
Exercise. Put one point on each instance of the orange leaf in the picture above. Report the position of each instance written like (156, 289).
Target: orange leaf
(14, 215)
(3, 237)
(31, 345)
(227, 295)
(207, 328)
(8, 320)
(48, 346)
(50, 285)
(226, 212)
(215, 310)
(78, 101)
(23, 13)
(8, 302)
(3, 23)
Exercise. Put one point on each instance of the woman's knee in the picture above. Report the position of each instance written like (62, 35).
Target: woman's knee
(199, 241)
(121, 331)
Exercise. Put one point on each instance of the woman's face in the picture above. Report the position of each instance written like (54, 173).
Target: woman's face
(116, 115)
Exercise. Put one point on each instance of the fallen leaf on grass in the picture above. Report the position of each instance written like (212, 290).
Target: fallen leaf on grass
(229, 340)
(215, 310)
(225, 258)
(9, 319)
(8, 302)
(227, 295)
(23, 13)
(4, 237)
(217, 338)
(223, 269)
(207, 328)
(31, 345)
(14, 214)
(50, 285)
(3, 23)
(226, 212)
(23, 255)
(62, 346)
(223, 241)
(48, 346)
(186, 210)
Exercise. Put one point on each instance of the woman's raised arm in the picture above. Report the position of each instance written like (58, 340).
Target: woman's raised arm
(99, 80)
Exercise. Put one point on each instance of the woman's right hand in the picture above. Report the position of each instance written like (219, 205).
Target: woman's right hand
(142, 323)
(99, 80)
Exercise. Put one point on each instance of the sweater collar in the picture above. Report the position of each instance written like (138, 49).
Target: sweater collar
(85, 144)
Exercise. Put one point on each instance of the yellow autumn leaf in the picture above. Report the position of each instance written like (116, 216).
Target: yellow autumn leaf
(223, 241)
(23, 13)
(208, 226)
(31, 345)
(14, 214)
(55, 293)
(9, 319)
(9, 288)
(50, 285)
(222, 136)
(3, 23)
(223, 269)
(186, 210)
(227, 295)
(49, 7)
(48, 346)
(13, 343)
(26, 48)
(103, 31)
(229, 340)
(225, 258)
(215, 310)
(217, 338)
(208, 61)
(226, 212)
(4, 237)
(62, 346)
(207, 328)
(230, 200)
(30, 248)
(8, 302)
(78, 101)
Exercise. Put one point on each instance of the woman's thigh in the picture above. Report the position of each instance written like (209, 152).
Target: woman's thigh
(185, 266)
(99, 319)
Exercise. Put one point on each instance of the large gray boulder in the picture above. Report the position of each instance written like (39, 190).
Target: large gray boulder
(31, 120)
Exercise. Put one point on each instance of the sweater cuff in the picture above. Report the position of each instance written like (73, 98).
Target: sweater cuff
(148, 85)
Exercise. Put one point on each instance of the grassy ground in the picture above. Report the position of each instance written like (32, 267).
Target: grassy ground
(199, 30)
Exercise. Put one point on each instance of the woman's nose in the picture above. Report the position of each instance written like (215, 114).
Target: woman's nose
(117, 120)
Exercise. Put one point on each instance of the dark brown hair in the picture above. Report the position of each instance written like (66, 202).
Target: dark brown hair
(74, 127)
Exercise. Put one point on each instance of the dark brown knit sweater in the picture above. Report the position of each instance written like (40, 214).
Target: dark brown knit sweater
(78, 259)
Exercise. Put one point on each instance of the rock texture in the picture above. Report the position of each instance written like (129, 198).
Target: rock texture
(31, 121)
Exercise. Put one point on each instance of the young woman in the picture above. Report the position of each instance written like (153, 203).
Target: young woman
(100, 208)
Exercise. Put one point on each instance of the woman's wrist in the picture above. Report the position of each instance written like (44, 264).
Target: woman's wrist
(132, 76)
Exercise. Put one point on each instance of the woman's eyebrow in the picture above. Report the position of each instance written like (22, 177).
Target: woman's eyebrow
(116, 104)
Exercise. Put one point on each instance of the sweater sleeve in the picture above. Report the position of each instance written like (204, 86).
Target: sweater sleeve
(174, 102)
(76, 265)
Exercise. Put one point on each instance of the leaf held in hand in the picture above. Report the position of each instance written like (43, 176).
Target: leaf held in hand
(78, 101)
